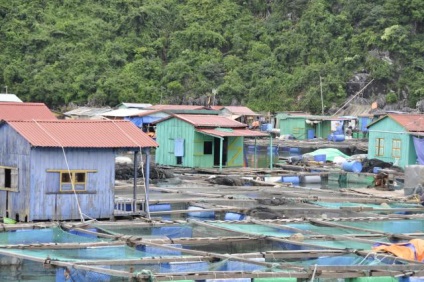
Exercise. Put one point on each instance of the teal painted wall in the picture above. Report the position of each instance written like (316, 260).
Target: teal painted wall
(389, 130)
(298, 127)
(169, 130)
(166, 133)
(293, 126)
(200, 159)
(235, 152)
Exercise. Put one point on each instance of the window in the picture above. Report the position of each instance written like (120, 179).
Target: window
(379, 147)
(8, 178)
(396, 146)
(77, 179)
(207, 148)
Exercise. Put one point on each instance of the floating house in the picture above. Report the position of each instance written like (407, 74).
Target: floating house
(240, 114)
(62, 169)
(170, 108)
(25, 111)
(143, 119)
(201, 141)
(140, 106)
(304, 126)
(5, 97)
(392, 138)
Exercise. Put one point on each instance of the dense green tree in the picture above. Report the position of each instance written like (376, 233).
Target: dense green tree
(269, 55)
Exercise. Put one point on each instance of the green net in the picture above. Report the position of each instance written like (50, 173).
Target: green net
(48, 235)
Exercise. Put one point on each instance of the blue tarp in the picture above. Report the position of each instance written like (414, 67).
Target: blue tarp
(139, 121)
(419, 149)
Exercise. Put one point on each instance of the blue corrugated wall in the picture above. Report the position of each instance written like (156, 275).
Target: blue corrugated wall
(39, 196)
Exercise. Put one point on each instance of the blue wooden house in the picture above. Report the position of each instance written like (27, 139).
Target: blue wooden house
(62, 169)
(391, 138)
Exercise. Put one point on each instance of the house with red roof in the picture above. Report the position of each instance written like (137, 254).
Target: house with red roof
(205, 141)
(25, 111)
(240, 113)
(397, 138)
(63, 169)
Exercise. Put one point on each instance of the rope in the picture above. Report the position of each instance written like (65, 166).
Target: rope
(313, 274)
(354, 96)
(69, 170)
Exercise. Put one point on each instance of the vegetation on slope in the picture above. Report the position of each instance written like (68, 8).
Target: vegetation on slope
(267, 54)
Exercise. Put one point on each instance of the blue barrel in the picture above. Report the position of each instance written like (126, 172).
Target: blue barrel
(159, 207)
(197, 212)
(352, 166)
(376, 169)
(311, 133)
(294, 150)
(269, 126)
(234, 216)
(338, 137)
(290, 179)
(320, 158)
(263, 127)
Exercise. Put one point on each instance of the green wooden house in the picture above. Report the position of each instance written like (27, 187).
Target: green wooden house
(201, 141)
(304, 126)
(391, 138)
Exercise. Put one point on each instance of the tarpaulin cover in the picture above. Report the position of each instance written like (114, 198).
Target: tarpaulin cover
(419, 149)
(329, 152)
(139, 121)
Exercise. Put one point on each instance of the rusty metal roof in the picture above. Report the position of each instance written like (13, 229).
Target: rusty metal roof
(411, 122)
(241, 111)
(82, 134)
(175, 107)
(210, 121)
(25, 111)
(235, 132)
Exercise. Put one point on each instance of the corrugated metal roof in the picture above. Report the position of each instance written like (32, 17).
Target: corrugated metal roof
(83, 134)
(211, 121)
(236, 132)
(87, 112)
(216, 108)
(25, 111)
(9, 98)
(175, 107)
(240, 110)
(136, 105)
(412, 122)
(123, 113)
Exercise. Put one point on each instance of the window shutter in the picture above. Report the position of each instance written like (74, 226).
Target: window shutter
(15, 179)
(2, 177)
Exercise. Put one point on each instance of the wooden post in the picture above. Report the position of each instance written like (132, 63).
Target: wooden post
(270, 148)
(146, 182)
(134, 204)
(221, 150)
(254, 157)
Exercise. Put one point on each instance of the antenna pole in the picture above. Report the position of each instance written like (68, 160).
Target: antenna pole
(322, 99)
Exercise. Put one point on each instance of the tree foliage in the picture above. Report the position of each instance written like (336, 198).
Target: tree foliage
(269, 55)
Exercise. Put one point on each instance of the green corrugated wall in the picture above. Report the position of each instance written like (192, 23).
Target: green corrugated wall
(169, 130)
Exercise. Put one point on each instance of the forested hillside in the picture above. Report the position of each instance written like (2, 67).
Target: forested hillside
(266, 54)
